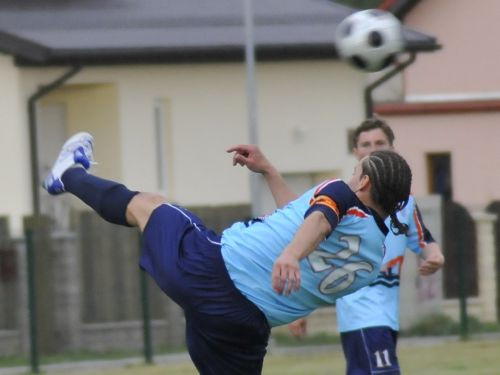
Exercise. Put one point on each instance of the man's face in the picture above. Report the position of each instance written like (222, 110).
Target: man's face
(369, 141)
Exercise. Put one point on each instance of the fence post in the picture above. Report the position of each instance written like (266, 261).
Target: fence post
(462, 284)
(486, 261)
(146, 320)
(32, 302)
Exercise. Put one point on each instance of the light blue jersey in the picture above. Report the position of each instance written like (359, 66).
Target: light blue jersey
(378, 303)
(348, 259)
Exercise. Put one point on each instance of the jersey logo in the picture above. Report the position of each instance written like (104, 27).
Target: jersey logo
(339, 278)
(356, 211)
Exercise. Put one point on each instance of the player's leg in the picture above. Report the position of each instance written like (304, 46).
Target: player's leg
(222, 345)
(111, 200)
(356, 358)
(140, 208)
(370, 351)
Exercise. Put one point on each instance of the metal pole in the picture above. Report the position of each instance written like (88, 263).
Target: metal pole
(30, 252)
(146, 320)
(462, 283)
(250, 72)
(255, 186)
(35, 186)
(391, 73)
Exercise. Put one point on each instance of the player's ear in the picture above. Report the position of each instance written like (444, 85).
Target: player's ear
(365, 183)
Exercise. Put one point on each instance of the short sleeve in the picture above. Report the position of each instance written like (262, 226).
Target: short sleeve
(332, 198)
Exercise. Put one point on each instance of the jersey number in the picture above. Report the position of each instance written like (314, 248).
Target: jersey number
(339, 278)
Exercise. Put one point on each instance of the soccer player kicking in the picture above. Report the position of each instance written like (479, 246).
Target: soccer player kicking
(368, 320)
(259, 273)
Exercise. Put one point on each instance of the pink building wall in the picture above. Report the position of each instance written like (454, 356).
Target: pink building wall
(465, 71)
(474, 143)
(469, 60)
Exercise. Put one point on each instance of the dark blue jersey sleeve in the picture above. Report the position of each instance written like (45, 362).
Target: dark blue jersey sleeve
(332, 198)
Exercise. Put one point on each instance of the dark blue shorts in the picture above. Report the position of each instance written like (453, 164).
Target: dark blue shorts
(225, 332)
(371, 351)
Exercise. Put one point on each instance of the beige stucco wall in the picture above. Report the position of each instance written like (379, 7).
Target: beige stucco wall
(208, 114)
(304, 110)
(15, 188)
(93, 108)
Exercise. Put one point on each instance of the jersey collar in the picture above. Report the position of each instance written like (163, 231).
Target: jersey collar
(380, 222)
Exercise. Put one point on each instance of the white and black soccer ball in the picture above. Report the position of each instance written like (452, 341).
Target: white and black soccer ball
(369, 39)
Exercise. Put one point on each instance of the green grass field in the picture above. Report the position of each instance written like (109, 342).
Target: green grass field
(444, 358)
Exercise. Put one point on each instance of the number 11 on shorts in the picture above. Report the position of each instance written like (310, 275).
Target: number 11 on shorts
(382, 358)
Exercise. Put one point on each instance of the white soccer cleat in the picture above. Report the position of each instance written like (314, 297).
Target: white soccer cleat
(76, 151)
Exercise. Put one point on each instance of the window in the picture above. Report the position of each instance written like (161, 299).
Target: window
(163, 145)
(439, 171)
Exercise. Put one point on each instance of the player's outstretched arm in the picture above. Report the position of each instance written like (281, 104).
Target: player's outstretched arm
(253, 158)
(286, 269)
(433, 259)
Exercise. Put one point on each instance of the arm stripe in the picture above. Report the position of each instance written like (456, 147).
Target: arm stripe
(328, 202)
(420, 230)
(395, 261)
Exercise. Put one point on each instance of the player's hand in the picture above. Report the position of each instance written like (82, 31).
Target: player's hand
(431, 264)
(298, 329)
(286, 274)
(251, 157)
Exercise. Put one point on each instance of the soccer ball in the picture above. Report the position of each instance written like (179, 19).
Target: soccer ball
(369, 39)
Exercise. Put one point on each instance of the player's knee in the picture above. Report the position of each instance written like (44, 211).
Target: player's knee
(141, 207)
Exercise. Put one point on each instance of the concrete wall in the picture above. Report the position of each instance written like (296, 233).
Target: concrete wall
(422, 296)
(60, 300)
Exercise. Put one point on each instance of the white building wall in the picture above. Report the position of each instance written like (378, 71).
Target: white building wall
(15, 187)
(304, 110)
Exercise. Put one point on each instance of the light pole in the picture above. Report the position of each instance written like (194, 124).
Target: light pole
(255, 183)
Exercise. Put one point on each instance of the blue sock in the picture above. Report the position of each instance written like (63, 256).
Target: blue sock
(108, 198)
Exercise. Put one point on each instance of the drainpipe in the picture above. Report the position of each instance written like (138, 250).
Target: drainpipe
(369, 89)
(44, 90)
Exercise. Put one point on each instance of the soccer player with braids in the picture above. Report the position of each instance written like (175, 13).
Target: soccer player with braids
(368, 319)
(383, 179)
(260, 273)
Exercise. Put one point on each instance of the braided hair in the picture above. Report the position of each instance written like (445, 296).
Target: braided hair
(390, 176)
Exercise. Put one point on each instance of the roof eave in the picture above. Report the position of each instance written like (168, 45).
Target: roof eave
(22, 48)
(275, 52)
